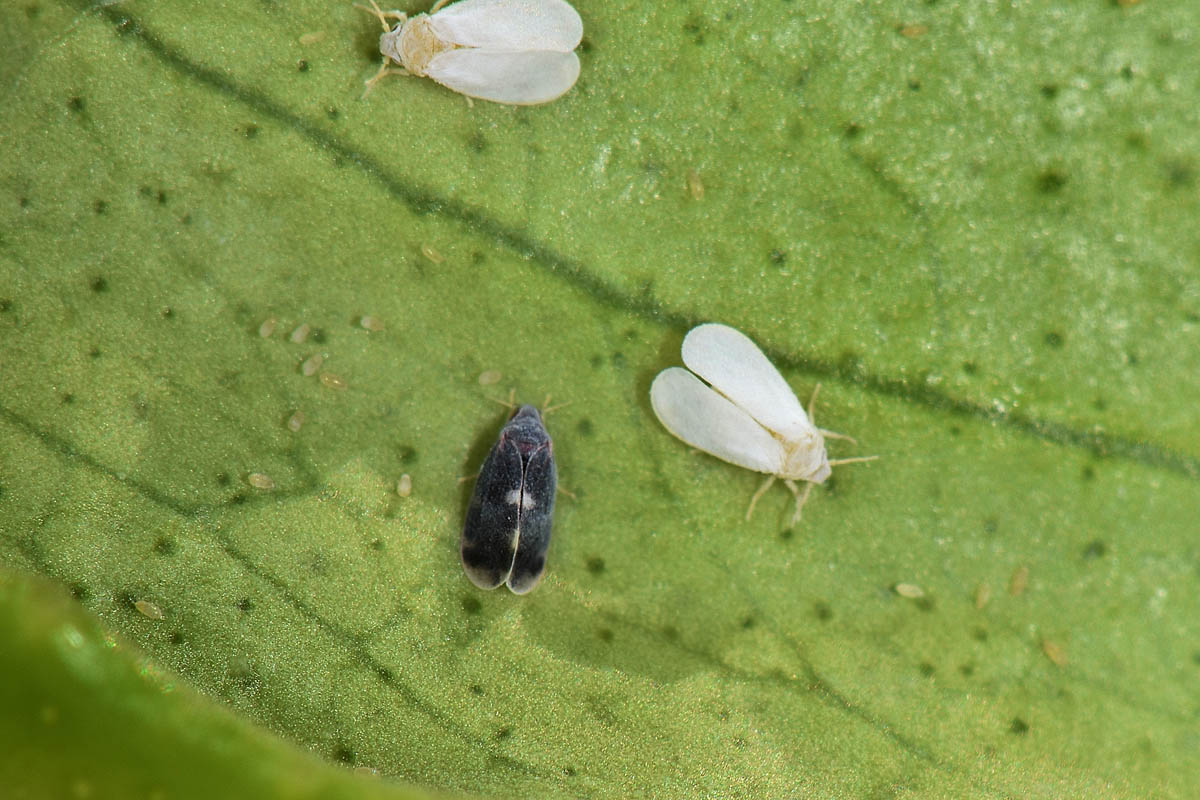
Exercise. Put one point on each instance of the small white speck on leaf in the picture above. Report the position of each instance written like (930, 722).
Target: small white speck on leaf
(331, 381)
(260, 480)
(371, 323)
(430, 253)
(311, 365)
(300, 334)
(149, 610)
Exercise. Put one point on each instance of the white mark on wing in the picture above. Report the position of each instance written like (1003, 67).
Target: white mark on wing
(515, 497)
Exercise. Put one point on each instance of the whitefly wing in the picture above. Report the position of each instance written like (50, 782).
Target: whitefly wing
(736, 368)
(510, 25)
(517, 78)
(709, 422)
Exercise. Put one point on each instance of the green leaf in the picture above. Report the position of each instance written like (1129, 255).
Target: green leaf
(84, 716)
(973, 225)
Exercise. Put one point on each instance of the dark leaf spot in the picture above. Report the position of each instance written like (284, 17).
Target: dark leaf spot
(250, 131)
(967, 670)
(970, 368)
(1088, 473)
(979, 634)
(777, 257)
(384, 674)
(1181, 175)
(475, 689)
(503, 733)
(98, 284)
(595, 565)
(822, 611)
(77, 104)
(302, 65)
(100, 206)
(604, 635)
(1051, 181)
(1053, 339)
(471, 605)
(585, 427)
(164, 546)
(748, 622)
(79, 591)
(852, 130)
(408, 455)
(1095, 549)
(927, 669)
(1019, 726)
(1049, 91)
(177, 637)
(851, 363)
(343, 754)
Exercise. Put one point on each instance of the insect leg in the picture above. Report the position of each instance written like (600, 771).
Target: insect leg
(801, 497)
(761, 491)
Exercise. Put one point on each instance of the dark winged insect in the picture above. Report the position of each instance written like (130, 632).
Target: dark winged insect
(507, 531)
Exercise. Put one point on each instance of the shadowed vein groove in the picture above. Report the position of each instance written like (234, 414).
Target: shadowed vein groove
(423, 201)
(348, 639)
(352, 642)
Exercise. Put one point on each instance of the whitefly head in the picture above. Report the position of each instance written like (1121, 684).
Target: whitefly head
(804, 458)
(413, 43)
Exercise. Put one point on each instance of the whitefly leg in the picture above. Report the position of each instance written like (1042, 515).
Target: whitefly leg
(801, 498)
(381, 15)
(761, 491)
(812, 406)
(385, 68)
(858, 460)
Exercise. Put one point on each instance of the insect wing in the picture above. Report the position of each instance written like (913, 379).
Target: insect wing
(516, 78)
(510, 25)
(736, 368)
(490, 534)
(537, 516)
(704, 419)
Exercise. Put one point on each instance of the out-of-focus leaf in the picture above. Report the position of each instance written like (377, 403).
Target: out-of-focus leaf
(84, 716)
